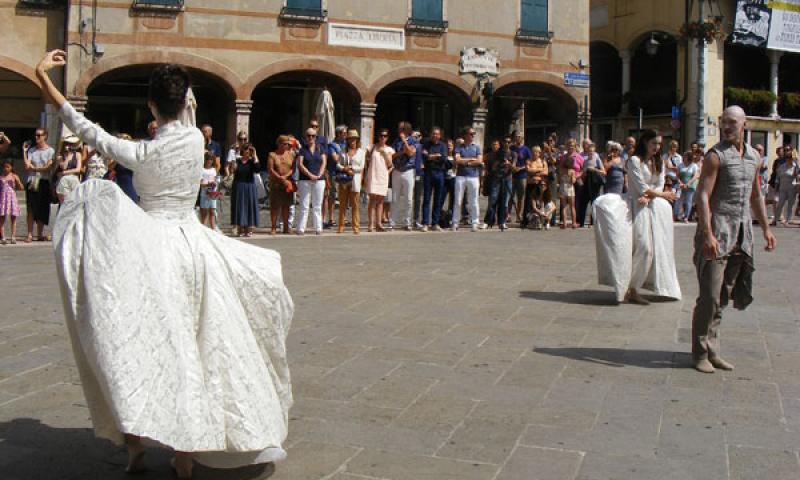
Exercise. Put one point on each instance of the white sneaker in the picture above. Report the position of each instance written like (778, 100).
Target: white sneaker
(474, 227)
(547, 226)
(437, 228)
(483, 226)
(454, 228)
(418, 225)
(424, 228)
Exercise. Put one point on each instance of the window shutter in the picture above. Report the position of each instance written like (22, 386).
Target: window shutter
(534, 16)
(305, 4)
(429, 10)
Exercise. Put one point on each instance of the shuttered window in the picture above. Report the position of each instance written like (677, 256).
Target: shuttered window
(534, 17)
(427, 11)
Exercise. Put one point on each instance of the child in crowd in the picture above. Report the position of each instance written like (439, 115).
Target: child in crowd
(9, 207)
(566, 187)
(543, 207)
(208, 192)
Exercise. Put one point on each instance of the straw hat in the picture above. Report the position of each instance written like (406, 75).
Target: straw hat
(352, 133)
(72, 139)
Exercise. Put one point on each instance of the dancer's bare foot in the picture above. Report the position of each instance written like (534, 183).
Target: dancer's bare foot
(634, 298)
(135, 454)
(182, 464)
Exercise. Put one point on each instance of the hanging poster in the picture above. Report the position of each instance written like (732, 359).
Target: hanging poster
(751, 26)
(784, 31)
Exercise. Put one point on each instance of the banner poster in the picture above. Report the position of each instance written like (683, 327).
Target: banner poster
(784, 31)
(751, 25)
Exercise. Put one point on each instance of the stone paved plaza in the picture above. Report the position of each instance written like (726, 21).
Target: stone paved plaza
(457, 356)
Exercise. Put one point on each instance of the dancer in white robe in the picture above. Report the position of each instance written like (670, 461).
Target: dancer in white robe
(178, 332)
(653, 266)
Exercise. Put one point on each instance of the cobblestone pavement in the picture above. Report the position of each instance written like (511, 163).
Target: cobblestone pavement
(464, 356)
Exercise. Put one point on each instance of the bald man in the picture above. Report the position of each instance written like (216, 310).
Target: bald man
(728, 191)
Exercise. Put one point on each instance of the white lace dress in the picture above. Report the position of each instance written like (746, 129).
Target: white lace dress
(653, 264)
(178, 332)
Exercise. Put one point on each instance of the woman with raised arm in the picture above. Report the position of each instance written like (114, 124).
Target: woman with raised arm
(180, 342)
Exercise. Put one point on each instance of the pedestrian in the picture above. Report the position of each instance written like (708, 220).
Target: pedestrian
(208, 191)
(787, 180)
(542, 207)
(311, 162)
(520, 174)
(468, 161)
(349, 170)
(403, 176)
(245, 191)
(672, 161)
(38, 160)
(537, 171)
(688, 176)
(566, 189)
(281, 166)
(450, 183)
(378, 170)
(215, 149)
(582, 181)
(594, 177)
(68, 167)
(437, 164)
(727, 194)
(499, 168)
(419, 184)
(180, 342)
(152, 130)
(123, 176)
(333, 150)
(9, 207)
(628, 150)
(653, 230)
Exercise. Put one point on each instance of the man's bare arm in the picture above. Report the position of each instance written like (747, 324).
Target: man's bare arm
(708, 179)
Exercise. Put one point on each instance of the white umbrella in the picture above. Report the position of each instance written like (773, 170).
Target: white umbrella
(188, 116)
(324, 112)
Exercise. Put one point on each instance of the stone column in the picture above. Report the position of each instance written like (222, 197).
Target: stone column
(53, 123)
(367, 130)
(626, 56)
(774, 64)
(243, 110)
(479, 125)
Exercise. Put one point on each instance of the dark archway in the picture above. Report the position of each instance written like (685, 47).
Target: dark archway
(546, 108)
(606, 80)
(654, 78)
(789, 85)
(21, 108)
(425, 102)
(118, 100)
(284, 103)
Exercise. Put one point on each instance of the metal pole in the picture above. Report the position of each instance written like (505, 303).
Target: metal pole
(701, 80)
(641, 120)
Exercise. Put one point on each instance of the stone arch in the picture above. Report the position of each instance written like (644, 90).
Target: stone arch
(553, 79)
(637, 37)
(225, 75)
(20, 69)
(303, 64)
(404, 73)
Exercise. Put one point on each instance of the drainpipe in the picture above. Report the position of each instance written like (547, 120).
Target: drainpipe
(682, 102)
(701, 78)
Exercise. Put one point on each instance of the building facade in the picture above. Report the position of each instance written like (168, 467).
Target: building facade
(260, 66)
(644, 67)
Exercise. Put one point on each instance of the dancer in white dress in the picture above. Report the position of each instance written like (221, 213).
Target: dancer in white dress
(634, 232)
(178, 332)
(653, 265)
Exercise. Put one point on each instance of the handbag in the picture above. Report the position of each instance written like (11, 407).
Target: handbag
(343, 178)
(227, 182)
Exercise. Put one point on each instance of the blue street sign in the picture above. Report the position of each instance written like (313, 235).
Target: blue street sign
(676, 112)
(574, 79)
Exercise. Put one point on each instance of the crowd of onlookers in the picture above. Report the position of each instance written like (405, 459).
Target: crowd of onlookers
(406, 180)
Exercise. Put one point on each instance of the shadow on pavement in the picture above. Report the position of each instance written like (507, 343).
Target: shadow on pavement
(30, 449)
(617, 357)
(576, 297)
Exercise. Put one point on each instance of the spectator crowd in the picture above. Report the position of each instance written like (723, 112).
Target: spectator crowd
(406, 180)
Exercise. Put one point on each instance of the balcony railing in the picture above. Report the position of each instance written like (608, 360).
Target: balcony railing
(534, 36)
(303, 15)
(159, 5)
(426, 26)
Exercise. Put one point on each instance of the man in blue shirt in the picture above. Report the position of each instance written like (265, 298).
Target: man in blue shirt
(334, 151)
(403, 176)
(436, 166)
(469, 162)
(419, 168)
(520, 173)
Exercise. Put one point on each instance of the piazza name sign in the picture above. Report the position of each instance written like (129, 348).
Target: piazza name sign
(362, 36)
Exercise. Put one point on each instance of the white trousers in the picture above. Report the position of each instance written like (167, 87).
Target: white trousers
(471, 185)
(402, 197)
(310, 193)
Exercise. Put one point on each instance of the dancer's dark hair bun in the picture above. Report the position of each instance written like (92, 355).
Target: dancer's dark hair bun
(168, 86)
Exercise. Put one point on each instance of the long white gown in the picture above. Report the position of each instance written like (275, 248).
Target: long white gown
(634, 243)
(653, 266)
(179, 333)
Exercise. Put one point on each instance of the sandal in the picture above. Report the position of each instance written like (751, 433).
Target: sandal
(29, 239)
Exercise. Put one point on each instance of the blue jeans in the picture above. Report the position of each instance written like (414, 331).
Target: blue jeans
(433, 185)
(685, 202)
(499, 195)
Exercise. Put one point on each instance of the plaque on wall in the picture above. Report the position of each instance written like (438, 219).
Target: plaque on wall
(480, 61)
(363, 36)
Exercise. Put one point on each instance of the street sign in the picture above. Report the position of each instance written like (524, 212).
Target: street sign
(676, 112)
(575, 79)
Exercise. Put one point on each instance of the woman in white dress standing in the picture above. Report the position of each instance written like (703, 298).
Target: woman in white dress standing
(653, 264)
(178, 332)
